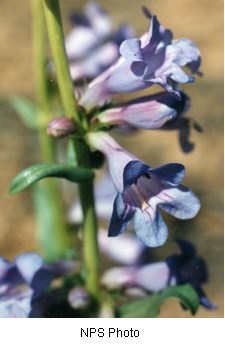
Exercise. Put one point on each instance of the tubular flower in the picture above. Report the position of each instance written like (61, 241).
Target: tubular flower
(184, 268)
(92, 46)
(148, 112)
(189, 268)
(142, 191)
(153, 59)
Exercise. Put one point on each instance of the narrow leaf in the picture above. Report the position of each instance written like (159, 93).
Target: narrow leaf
(37, 172)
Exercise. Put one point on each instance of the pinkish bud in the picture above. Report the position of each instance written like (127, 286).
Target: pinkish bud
(61, 127)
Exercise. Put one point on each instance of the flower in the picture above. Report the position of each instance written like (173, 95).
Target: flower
(152, 59)
(92, 45)
(185, 268)
(24, 281)
(189, 268)
(148, 112)
(142, 191)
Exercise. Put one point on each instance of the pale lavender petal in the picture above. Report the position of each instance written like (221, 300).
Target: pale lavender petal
(153, 276)
(119, 277)
(150, 227)
(125, 249)
(79, 41)
(188, 54)
(95, 63)
(130, 49)
(182, 202)
(99, 19)
(28, 264)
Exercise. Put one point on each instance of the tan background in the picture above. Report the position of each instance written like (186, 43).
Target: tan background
(201, 21)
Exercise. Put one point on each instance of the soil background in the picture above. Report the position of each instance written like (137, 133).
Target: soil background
(200, 21)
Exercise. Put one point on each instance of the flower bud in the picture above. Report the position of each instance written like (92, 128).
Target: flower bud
(61, 127)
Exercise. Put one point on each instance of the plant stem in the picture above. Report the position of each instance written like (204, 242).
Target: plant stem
(56, 38)
(52, 232)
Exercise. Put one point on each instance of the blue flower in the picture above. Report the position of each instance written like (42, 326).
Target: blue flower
(148, 276)
(189, 268)
(148, 112)
(24, 281)
(152, 59)
(142, 191)
(92, 45)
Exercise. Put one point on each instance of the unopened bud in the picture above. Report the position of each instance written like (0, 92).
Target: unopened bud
(61, 127)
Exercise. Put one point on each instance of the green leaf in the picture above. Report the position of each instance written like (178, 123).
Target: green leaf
(185, 294)
(37, 172)
(25, 109)
(150, 307)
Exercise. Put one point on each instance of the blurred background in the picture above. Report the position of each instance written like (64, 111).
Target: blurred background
(202, 22)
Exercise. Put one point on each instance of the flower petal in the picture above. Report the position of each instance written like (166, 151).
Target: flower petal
(171, 173)
(188, 54)
(153, 276)
(130, 49)
(133, 171)
(185, 204)
(28, 264)
(121, 216)
(150, 228)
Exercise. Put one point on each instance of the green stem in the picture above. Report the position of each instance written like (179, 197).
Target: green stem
(52, 232)
(56, 38)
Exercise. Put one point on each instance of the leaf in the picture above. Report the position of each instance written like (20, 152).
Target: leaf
(37, 172)
(25, 109)
(185, 294)
(150, 307)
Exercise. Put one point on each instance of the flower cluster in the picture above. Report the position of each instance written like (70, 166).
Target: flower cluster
(143, 191)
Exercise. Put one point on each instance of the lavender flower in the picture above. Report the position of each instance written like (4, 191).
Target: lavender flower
(189, 268)
(142, 190)
(148, 112)
(153, 277)
(145, 62)
(24, 280)
(92, 46)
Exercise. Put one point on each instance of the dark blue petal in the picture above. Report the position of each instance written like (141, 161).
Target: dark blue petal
(155, 33)
(120, 217)
(42, 280)
(204, 301)
(151, 230)
(4, 267)
(187, 249)
(133, 171)
(171, 173)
